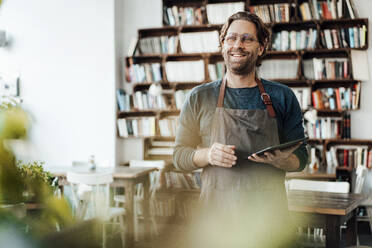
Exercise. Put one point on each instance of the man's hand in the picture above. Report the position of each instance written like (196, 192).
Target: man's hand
(281, 159)
(222, 155)
(218, 154)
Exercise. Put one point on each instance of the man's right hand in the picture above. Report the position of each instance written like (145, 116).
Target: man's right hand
(218, 154)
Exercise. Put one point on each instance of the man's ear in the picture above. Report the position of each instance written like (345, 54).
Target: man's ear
(261, 50)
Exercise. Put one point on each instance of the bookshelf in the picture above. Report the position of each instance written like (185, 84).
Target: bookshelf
(321, 38)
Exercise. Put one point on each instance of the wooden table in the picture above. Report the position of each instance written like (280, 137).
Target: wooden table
(312, 174)
(327, 210)
(126, 177)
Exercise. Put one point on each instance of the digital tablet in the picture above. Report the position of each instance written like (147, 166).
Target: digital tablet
(283, 146)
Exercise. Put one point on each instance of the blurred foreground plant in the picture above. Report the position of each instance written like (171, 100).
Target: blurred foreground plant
(24, 182)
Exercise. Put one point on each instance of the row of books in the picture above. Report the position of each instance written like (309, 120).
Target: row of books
(200, 42)
(273, 68)
(294, 40)
(349, 156)
(168, 126)
(158, 45)
(328, 128)
(145, 72)
(353, 37)
(142, 100)
(219, 12)
(176, 16)
(330, 9)
(144, 126)
(216, 70)
(272, 13)
(185, 71)
(123, 100)
(193, 71)
(316, 157)
(326, 68)
(336, 98)
(303, 96)
(177, 180)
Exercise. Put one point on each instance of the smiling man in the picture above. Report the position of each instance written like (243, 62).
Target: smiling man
(223, 123)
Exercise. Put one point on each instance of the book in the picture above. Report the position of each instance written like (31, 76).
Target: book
(185, 71)
(199, 42)
(217, 13)
(360, 65)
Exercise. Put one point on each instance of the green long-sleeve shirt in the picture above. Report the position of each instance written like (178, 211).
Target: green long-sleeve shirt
(196, 117)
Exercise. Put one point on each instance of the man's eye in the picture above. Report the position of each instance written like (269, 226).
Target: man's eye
(231, 38)
(248, 40)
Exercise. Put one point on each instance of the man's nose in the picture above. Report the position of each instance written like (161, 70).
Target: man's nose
(238, 42)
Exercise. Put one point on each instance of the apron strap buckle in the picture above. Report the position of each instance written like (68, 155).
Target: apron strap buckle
(266, 99)
(269, 104)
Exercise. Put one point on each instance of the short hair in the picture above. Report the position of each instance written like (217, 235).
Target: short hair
(263, 32)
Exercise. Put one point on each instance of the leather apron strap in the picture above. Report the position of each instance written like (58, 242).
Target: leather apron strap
(264, 96)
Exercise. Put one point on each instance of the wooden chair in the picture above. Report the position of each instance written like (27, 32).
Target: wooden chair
(139, 196)
(91, 198)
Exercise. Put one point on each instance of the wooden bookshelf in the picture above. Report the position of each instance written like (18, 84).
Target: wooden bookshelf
(295, 23)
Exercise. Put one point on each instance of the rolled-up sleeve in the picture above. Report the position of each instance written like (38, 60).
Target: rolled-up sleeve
(187, 137)
(293, 129)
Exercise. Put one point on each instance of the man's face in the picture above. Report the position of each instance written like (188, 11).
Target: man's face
(241, 48)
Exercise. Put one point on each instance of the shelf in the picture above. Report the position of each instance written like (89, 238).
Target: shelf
(336, 80)
(346, 168)
(332, 112)
(291, 82)
(269, 53)
(146, 86)
(144, 113)
(356, 142)
(315, 141)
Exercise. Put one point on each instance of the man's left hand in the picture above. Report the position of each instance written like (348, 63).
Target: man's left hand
(280, 158)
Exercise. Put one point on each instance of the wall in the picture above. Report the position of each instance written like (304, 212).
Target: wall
(361, 120)
(64, 54)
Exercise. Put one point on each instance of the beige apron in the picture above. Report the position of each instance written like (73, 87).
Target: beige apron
(247, 190)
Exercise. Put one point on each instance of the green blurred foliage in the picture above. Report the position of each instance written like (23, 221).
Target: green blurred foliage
(34, 178)
(27, 182)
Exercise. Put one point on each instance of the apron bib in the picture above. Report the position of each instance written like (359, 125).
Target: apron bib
(251, 195)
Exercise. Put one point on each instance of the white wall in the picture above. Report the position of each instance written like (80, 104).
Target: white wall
(64, 54)
(361, 120)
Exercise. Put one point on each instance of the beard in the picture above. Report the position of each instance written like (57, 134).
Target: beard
(243, 65)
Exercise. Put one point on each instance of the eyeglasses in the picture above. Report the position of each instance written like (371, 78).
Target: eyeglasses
(245, 39)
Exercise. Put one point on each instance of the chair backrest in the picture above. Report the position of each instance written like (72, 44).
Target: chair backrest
(90, 193)
(361, 174)
(154, 176)
(323, 186)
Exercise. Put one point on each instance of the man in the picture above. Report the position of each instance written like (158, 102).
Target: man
(223, 123)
